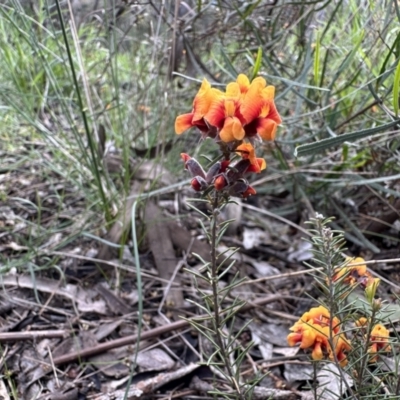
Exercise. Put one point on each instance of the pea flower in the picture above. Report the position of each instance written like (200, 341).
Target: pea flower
(244, 110)
(201, 104)
(379, 338)
(247, 110)
(236, 118)
(247, 152)
(312, 330)
(355, 274)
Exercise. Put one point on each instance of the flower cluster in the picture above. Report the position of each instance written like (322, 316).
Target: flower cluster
(244, 111)
(355, 274)
(223, 175)
(379, 341)
(314, 330)
(236, 118)
(379, 338)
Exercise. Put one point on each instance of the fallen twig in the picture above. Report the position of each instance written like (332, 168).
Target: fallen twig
(31, 335)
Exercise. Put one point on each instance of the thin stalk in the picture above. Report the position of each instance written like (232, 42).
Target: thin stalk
(365, 353)
(215, 297)
(326, 248)
(95, 166)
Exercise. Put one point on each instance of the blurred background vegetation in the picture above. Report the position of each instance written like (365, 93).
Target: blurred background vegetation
(90, 89)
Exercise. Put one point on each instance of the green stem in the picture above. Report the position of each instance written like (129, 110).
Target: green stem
(365, 354)
(223, 351)
(327, 247)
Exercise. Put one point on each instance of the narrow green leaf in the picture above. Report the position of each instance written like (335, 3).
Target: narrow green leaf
(396, 84)
(294, 83)
(391, 52)
(257, 64)
(250, 8)
(316, 59)
(313, 148)
(197, 275)
(229, 66)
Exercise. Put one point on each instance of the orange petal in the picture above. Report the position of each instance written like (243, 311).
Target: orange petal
(232, 90)
(183, 122)
(215, 116)
(268, 93)
(342, 358)
(232, 130)
(341, 345)
(266, 128)
(362, 322)
(201, 100)
(265, 109)
(316, 315)
(361, 269)
(262, 163)
(237, 129)
(252, 104)
(379, 333)
(317, 353)
(373, 348)
(246, 150)
(243, 82)
(273, 113)
(204, 99)
(294, 338)
(257, 168)
(309, 337)
(230, 108)
(226, 135)
(259, 82)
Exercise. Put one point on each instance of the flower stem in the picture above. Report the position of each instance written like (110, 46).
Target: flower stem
(223, 351)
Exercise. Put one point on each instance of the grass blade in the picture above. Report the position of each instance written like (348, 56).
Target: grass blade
(313, 148)
(396, 84)
(257, 64)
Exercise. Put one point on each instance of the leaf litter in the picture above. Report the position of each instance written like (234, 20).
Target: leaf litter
(87, 297)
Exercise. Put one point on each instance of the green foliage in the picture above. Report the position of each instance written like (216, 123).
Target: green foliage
(340, 285)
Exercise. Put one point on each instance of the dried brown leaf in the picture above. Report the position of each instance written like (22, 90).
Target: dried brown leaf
(163, 251)
(154, 360)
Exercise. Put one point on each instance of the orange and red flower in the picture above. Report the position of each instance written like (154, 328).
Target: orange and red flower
(244, 110)
(355, 274)
(246, 150)
(379, 340)
(201, 104)
(314, 330)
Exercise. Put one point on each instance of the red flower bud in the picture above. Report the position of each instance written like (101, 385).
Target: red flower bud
(220, 182)
(198, 184)
(250, 191)
(185, 157)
